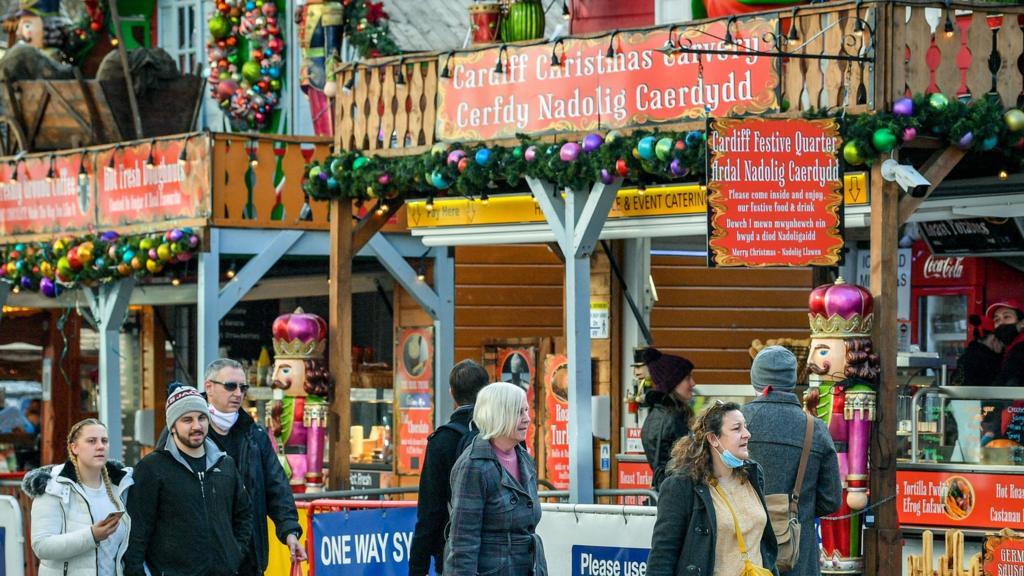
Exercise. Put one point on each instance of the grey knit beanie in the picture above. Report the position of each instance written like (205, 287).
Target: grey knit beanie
(183, 400)
(774, 366)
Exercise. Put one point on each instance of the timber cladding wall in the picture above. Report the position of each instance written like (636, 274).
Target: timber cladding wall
(711, 315)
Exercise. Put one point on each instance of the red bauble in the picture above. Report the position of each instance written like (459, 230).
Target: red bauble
(621, 167)
(95, 26)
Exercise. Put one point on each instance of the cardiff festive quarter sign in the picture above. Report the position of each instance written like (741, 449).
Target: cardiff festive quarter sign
(775, 192)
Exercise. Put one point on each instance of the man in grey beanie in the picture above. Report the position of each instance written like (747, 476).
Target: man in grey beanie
(777, 427)
(190, 513)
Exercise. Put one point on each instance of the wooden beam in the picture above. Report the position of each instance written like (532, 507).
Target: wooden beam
(373, 222)
(340, 337)
(154, 369)
(934, 170)
(61, 410)
(883, 543)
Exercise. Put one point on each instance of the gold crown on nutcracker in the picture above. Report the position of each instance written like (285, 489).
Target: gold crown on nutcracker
(299, 336)
(840, 310)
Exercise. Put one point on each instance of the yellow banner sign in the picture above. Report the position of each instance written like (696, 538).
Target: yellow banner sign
(629, 203)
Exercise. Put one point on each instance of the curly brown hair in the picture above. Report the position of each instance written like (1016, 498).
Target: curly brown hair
(691, 455)
(861, 360)
(318, 377)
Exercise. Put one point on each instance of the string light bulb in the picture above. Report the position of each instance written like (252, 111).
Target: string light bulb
(1003, 175)
(430, 203)
(51, 173)
(151, 160)
(175, 281)
(484, 198)
(231, 270)
(14, 172)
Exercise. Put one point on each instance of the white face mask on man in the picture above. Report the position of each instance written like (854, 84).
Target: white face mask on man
(223, 420)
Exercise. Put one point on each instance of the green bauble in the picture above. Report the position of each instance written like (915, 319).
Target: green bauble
(1014, 119)
(359, 162)
(884, 140)
(852, 154)
(663, 149)
(524, 21)
(938, 101)
(251, 71)
(220, 27)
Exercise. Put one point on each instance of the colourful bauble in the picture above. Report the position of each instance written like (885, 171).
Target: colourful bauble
(612, 136)
(569, 152)
(154, 266)
(677, 168)
(694, 138)
(938, 101)
(438, 149)
(909, 133)
(663, 149)
(314, 171)
(530, 154)
(989, 143)
(680, 145)
(517, 152)
(1014, 119)
(606, 176)
(360, 162)
(251, 71)
(219, 26)
(483, 156)
(463, 165)
(175, 235)
(884, 140)
(591, 142)
(455, 155)
(621, 167)
(852, 154)
(903, 107)
(645, 148)
(438, 180)
(73, 260)
(163, 252)
(965, 141)
(384, 179)
(47, 287)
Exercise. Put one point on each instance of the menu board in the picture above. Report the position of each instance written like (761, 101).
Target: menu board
(414, 396)
(961, 500)
(973, 236)
(556, 432)
(775, 192)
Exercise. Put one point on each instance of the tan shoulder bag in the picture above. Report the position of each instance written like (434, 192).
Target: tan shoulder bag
(783, 510)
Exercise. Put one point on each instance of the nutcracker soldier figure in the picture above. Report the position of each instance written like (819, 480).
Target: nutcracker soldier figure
(320, 34)
(843, 376)
(301, 382)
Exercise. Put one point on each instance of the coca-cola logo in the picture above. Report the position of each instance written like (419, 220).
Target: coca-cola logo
(944, 268)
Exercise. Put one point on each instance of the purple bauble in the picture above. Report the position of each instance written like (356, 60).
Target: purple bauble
(677, 168)
(591, 142)
(193, 241)
(455, 155)
(606, 176)
(965, 141)
(909, 133)
(176, 235)
(109, 236)
(570, 152)
(26, 282)
(531, 154)
(47, 288)
(903, 107)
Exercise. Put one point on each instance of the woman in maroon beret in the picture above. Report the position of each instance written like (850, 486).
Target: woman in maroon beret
(669, 403)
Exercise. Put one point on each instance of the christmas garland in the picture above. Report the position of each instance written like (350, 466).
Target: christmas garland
(367, 29)
(652, 156)
(51, 267)
(246, 85)
(82, 38)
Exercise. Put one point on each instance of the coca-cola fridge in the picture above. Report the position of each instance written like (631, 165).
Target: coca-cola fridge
(946, 290)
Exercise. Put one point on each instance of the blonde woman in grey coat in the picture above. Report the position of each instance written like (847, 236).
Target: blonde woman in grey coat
(495, 509)
(79, 527)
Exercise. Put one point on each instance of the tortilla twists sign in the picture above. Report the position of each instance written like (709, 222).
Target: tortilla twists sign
(775, 192)
(587, 90)
(965, 500)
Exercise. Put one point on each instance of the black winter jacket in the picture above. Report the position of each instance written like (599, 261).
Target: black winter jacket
(667, 422)
(264, 481)
(187, 524)
(684, 537)
(435, 494)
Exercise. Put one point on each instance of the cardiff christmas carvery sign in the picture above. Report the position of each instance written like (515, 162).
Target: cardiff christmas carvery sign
(775, 192)
(583, 84)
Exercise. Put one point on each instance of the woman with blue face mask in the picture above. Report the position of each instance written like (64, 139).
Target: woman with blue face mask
(712, 518)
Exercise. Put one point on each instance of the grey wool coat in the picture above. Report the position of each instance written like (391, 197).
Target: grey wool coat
(776, 423)
(492, 530)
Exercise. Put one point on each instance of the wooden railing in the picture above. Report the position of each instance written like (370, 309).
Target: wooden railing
(978, 56)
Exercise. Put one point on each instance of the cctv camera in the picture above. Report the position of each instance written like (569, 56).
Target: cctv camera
(909, 179)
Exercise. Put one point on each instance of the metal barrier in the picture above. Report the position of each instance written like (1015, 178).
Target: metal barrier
(10, 484)
(613, 495)
(358, 494)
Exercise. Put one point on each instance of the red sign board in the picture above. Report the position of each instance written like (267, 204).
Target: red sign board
(775, 192)
(49, 194)
(1004, 554)
(931, 270)
(929, 498)
(636, 476)
(589, 91)
(556, 432)
(414, 396)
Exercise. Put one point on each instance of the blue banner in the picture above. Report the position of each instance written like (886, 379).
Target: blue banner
(363, 542)
(609, 561)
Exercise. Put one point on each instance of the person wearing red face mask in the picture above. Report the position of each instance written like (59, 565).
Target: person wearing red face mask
(1008, 321)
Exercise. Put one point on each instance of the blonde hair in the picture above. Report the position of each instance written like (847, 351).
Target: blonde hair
(72, 438)
(496, 411)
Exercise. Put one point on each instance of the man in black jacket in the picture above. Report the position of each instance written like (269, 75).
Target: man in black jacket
(236, 433)
(466, 379)
(189, 509)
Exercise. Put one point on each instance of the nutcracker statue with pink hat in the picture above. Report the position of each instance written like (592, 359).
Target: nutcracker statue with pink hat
(843, 373)
(301, 382)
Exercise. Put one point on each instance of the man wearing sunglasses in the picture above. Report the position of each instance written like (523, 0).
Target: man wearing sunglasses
(235, 432)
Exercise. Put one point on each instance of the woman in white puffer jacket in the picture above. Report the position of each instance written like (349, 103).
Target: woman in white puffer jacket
(79, 526)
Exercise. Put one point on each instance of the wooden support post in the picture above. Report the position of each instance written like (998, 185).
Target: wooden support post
(883, 543)
(62, 409)
(154, 363)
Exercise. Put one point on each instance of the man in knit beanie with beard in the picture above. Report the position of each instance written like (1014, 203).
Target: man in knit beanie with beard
(777, 425)
(189, 511)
